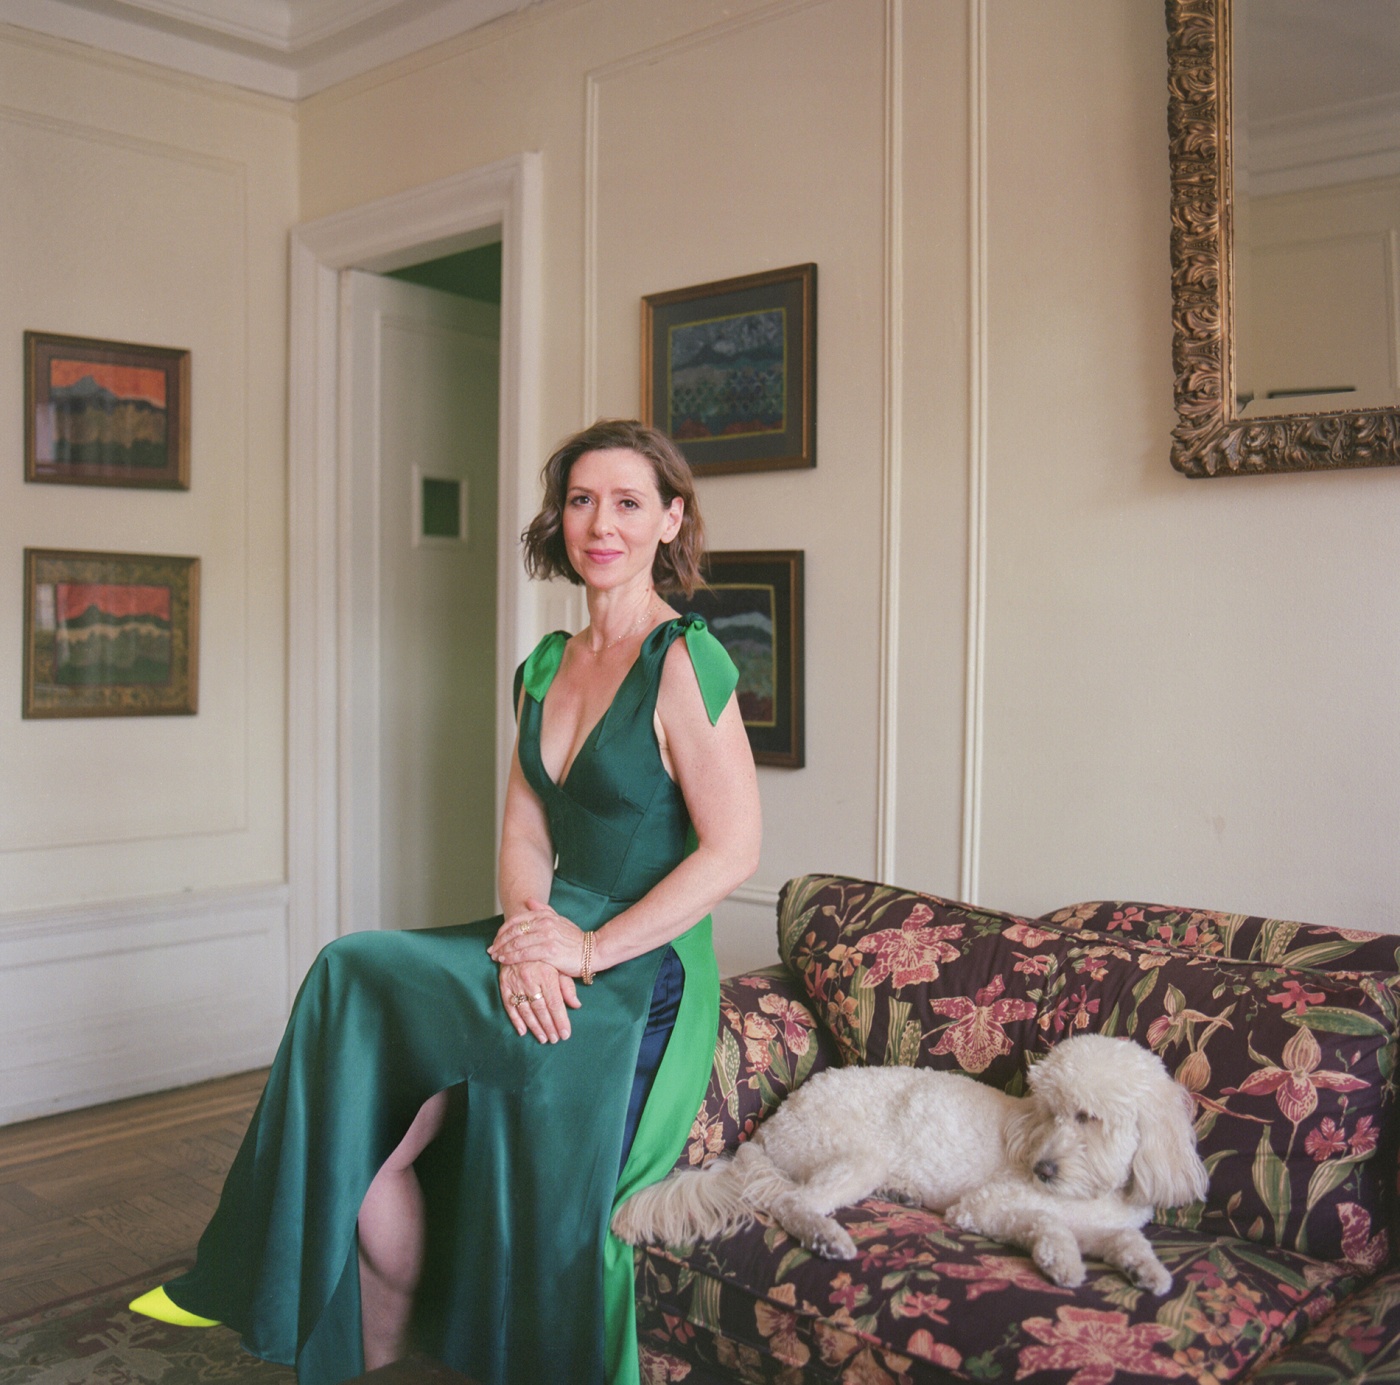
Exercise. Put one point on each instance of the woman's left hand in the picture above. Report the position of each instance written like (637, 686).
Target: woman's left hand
(538, 934)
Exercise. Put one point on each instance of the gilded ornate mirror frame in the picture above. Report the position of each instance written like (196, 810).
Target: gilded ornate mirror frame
(1209, 438)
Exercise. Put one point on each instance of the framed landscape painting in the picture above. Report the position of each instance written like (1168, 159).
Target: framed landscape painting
(110, 634)
(106, 413)
(729, 370)
(752, 603)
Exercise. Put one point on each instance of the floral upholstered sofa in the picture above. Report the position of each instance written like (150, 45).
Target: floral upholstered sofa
(1284, 1033)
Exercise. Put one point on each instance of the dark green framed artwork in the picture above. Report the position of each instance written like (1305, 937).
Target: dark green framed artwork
(110, 634)
(752, 602)
(729, 370)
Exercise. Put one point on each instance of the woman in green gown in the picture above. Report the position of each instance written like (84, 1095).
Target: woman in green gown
(453, 1113)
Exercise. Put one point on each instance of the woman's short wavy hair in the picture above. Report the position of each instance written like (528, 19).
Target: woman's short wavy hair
(677, 564)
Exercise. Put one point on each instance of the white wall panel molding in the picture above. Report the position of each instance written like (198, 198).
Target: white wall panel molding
(971, 845)
(107, 1000)
(501, 199)
(883, 809)
(36, 936)
(117, 139)
(593, 84)
(892, 450)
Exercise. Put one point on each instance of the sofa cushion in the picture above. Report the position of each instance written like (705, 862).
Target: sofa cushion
(1360, 1341)
(922, 1302)
(901, 977)
(1244, 937)
(1291, 1074)
(768, 1042)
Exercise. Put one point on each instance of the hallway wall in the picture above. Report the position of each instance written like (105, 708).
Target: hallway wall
(142, 903)
(1041, 666)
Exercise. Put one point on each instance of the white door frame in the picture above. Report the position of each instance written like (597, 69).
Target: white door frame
(424, 223)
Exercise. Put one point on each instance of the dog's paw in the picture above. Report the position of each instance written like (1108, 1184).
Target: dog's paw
(961, 1216)
(1150, 1274)
(1059, 1261)
(900, 1195)
(832, 1244)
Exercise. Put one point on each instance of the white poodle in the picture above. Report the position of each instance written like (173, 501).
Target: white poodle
(1073, 1169)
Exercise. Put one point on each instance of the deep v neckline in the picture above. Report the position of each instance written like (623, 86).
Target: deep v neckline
(593, 730)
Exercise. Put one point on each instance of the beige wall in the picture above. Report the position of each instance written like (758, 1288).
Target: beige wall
(1041, 666)
(684, 142)
(1190, 684)
(142, 916)
(1179, 690)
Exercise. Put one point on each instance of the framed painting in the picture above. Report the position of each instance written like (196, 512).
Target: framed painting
(106, 413)
(110, 634)
(729, 370)
(752, 603)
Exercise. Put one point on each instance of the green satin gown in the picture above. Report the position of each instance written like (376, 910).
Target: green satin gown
(523, 1283)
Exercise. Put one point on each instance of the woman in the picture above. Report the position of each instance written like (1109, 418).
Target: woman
(499, 1074)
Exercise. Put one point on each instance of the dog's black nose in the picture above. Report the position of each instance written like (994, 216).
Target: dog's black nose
(1046, 1169)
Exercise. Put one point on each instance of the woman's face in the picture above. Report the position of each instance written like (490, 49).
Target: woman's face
(614, 519)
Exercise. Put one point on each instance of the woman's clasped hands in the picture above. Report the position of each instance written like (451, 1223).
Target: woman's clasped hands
(539, 953)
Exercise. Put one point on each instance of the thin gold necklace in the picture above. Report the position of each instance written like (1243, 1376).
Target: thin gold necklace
(626, 635)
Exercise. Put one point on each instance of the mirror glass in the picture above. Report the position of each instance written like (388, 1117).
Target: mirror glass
(1315, 88)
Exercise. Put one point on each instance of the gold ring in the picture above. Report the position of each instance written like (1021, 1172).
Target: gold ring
(538, 995)
(519, 998)
(525, 927)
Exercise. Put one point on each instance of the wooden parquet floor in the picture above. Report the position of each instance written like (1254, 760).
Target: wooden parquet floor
(92, 1197)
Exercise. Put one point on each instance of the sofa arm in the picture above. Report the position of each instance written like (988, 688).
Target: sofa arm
(769, 1042)
(1359, 1341)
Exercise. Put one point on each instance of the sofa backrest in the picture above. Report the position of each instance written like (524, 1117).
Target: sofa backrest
(1241, 937)
(1287, 1045)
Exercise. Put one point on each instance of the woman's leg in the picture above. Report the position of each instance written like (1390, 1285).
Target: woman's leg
(391, 1235)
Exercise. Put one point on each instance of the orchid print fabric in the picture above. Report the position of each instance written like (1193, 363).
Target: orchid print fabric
(923, 1302)
(1283, 1033)
(903, 978)
(769, 1042)
(1292, 1082)
(1239, 937)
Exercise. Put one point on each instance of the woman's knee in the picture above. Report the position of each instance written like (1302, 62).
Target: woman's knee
(359, 956)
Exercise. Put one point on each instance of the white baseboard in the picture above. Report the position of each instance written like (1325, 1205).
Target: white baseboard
(110, 1000)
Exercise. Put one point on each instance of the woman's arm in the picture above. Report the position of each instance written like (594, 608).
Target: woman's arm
(714, 768)
(525, 866)
(526, 871)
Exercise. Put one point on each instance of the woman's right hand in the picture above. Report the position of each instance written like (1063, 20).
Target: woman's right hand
(548, 997)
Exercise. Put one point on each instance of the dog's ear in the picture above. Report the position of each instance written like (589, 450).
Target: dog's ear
(1018, 1133)
(1167, 1171)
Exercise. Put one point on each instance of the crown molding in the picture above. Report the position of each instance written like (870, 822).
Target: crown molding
(1345, 143)
(283, 48)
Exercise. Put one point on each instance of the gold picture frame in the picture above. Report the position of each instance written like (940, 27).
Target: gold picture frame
(1210, 437)
(110, 634)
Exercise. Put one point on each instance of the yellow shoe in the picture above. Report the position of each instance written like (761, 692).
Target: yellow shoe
(156, 1303)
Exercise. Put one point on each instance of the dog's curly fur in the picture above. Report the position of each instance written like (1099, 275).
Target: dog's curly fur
(1073, 1169)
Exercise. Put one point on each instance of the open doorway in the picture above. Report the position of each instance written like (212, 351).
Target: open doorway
(327, 643)
(423, 375)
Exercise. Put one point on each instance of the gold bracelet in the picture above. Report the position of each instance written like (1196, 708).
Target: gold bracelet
(587, 977)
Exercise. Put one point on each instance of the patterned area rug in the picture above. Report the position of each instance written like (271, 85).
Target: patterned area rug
(93, 1338)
